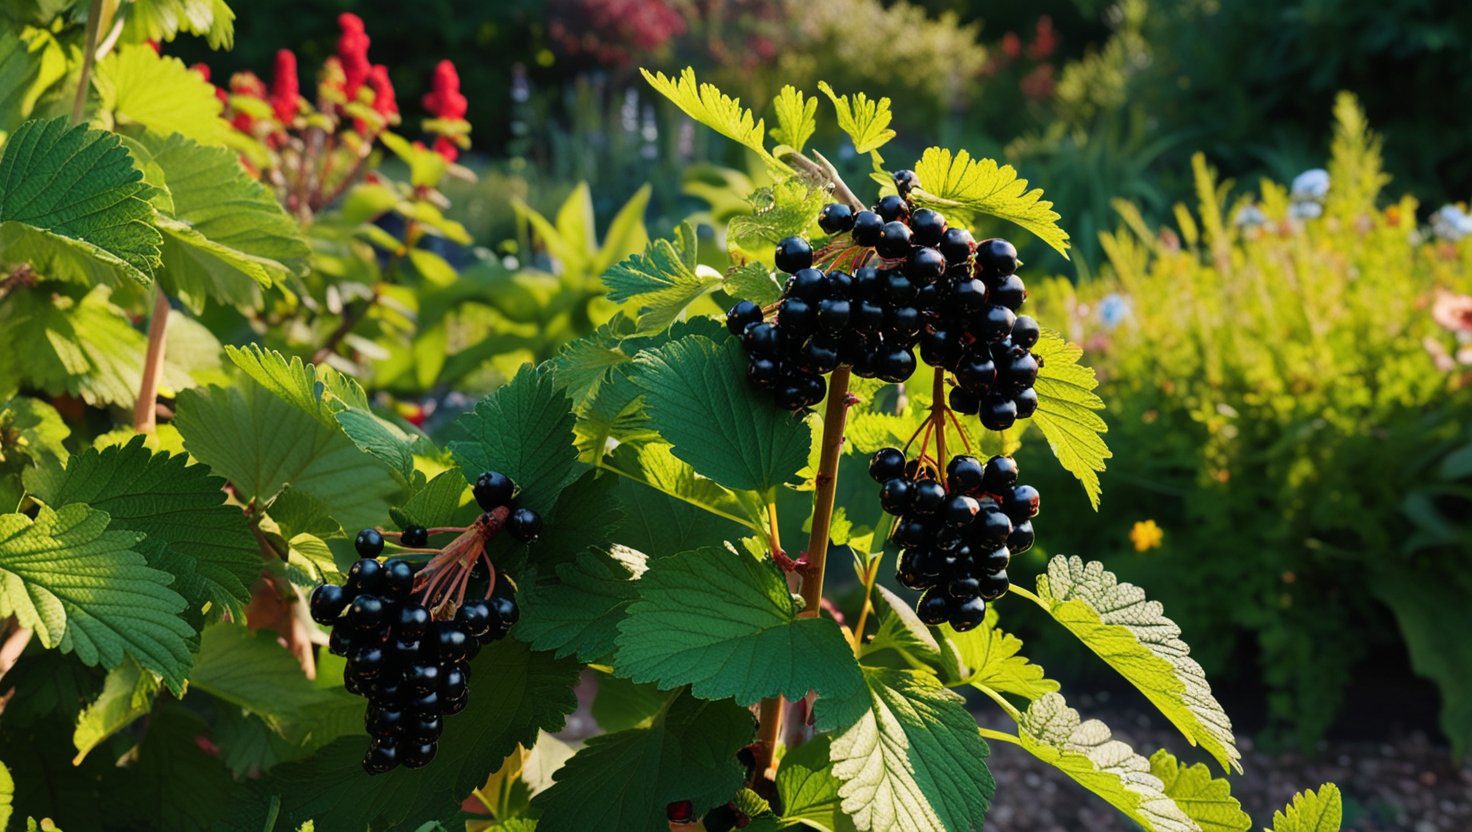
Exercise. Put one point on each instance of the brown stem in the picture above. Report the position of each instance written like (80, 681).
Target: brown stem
(145, 411)
(89, 57)
(350, 318)
(13, 646)
(938, 416)
(769, 714)
(823, 170)
(835, 419)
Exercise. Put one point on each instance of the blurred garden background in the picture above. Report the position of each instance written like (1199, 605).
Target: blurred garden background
(1271, 274)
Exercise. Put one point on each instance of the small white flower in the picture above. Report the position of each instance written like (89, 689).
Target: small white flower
(1451, 223)
(1249, 216)
(1311, 185)
(1114, 309)
(1305, 210)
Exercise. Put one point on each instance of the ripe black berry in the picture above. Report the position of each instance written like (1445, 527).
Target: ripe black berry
(964, 474)
(928, 226)
(924, 265)
(833, 315)
(996, 257)
(905, 181)
(895, 495)
(894, 364)
(1022, 504)
(894, 240)
(794, 253)
(414, 537)
(1027, 402)
(1025, 332)
(956, 244)
(893, 208)
(742, 315)
(380, 759)
(999, 476)
(933, 608)
(867, 228)
(417, 754)
(836, 218)
(928, 497)
(886, 464)
(1009, 292)
(398, 578)
(369, 543)
(364, 575)
(366, 612)
(493, 490)
(967, 614)
(994, 585)
(524, 525)
(328, 600)
(998, 413)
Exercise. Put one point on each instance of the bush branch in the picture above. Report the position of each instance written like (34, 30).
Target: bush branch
(145, 409)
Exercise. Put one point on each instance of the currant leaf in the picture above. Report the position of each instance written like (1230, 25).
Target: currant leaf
(1206, 800)
(797, 117)
(809, 790)
(713, 108)
(660, 284)
(1312, 811)
(578, 613)
(127, 695)
(1133, 636)
(962, 187)
(1067, 412)
(138, 86)
(865, 120)
(993, 659)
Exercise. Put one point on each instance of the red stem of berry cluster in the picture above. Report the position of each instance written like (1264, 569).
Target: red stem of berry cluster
(441, 584)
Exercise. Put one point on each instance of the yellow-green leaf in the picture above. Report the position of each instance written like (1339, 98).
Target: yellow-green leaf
(1088, 753)
(865, 120)
(1310, 811)
(1067, 411)
(713, 108)
(796, 117)
(1205, 799)
(992, 660)
(962, 187)
(137, 86)
(1133, 636)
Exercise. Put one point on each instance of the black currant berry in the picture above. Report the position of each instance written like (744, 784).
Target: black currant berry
(963, 587)
(760, 339)
(365, 662)
(956, 244)
(929, 227)
(809, 284)
(504, 615)
(450, 707)
(1021, 538)
(895, 494)
(1009, 292)
(894, 240)
(454, 681)
(905, 181)
(1020, 372)
(493, 490)
(933, 607)
(964, 474)
(424, 729)
(996, 257)
(967, 614)
(1022, 504)
(969, 295)
(999, 476)
(886, 464)
(836, 218)
(422, 678)
(380, 759)
(524, 525)
(924, 265)
(328, 601)
(383, 722)
(474, 617)
(840, 285)
(975, 371)
(450, 642)
(398, 578)
(960, 510)
(894, 364)
(366, 612)
(994, 585)
(742, 315)
(794, 253)
(998, 558)
(928, 497)
(992, 526)
(412, 622)
(417, 754)
(867, 228)
(797, 316)
(893, 208)
(998, 413)
(964, 401)
(1025, 332)
(1027, 402)
(994, 323)
(866, 316)
(369, 543)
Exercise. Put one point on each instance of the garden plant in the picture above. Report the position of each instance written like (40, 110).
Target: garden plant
(253, 578)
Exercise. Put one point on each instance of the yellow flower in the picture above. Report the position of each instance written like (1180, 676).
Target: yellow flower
(1146, 535)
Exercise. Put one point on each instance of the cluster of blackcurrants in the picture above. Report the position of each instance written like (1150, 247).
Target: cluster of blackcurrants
(934, 287)
(414, 670)
(956, 535)
(723, 818)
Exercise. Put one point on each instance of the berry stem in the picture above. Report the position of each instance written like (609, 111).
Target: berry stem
(960, 431)
(938, 412)
(145, 409)
(835, 419)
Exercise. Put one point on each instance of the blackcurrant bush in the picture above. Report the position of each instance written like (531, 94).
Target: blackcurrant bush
(956, 244)
(868, 227)
(369, 543)
(836, 218)
(742, 315)
(964, 474)
(996, 257)
(933, 607)
(999, 475)
(894, 240)
(928, 226)
(328, 601)
(893, 208)
(895, 494)
(886, 464)
(905, 181)
(928, 498)
(524, 525)
(492, 490)
(794, 253)
(1025, 332)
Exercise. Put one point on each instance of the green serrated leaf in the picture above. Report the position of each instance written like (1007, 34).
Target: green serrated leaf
(7, 796)
(908, 754)
(523, 430)
(1067, 411)
(583, 365)
(714, 109)
(963, 187)
(668, 507)
(994, 660)
(162, 20)
(1310, 811)
(660, 284)
(865, 120)
(517, 694)
(797, 117)
(626, 779)
(753, 282)
(74, 205)
(434, 503)
(1133, 636)
(1088, 753)
(786, 209)
(809, 790)
(126, 696)
(138, 86)
(747, 643)
(174, 784)
(901, 630)
(1206, 800)
(177, 505)
(697, 397)
(85, 589)
(579, 612)
(225, 233)
(31, 61)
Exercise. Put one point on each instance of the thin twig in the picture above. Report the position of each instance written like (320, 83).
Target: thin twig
(145, 411)
(835, 418)
(89, 57)
(769, 714)
(13, 646)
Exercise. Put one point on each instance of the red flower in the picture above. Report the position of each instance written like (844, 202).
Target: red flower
(352, 52)
(1011, 45)
(247, 83)
(384, 102)
(203, 69)
(1044, 41)
(446, 148)
(285, 88)
(444, 99)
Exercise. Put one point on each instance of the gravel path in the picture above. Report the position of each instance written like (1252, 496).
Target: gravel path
(1407, 784)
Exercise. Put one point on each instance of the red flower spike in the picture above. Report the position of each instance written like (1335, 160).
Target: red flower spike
(203, 69)
(384, 101)
(352, 53)
(285, 87)
(247, 83)
(444, 99)
(446, 148)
